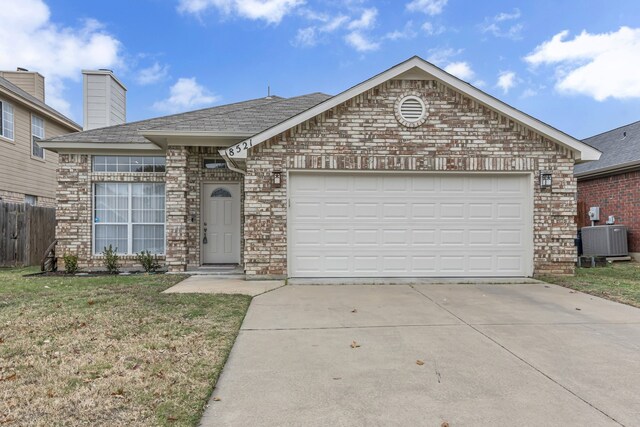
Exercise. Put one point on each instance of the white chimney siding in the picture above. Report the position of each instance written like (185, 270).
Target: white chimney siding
(105, 99)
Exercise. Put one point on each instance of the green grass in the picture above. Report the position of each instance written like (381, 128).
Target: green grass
(618, 282)
(110, 350)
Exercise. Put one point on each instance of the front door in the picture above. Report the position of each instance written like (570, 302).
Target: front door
(221, 223)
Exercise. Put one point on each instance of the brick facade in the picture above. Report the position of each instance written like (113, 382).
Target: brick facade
(184, 178)
(74, 211)
(617, 195)
(364, 134)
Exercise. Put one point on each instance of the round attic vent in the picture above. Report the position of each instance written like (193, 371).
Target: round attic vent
(411, 111)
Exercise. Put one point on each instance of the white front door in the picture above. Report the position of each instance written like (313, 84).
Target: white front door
(411, 225)
(221, 223)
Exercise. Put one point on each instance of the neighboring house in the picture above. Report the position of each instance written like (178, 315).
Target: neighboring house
(27, 171)
(613, 182)
(411, 173)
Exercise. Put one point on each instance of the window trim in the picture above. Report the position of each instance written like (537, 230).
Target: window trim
(13, 121)
(129, 223)
(33, 156)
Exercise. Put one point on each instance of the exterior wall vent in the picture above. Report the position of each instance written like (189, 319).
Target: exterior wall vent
(605, 240)
(411, 110)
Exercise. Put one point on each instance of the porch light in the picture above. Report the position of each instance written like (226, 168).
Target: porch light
(277, 179)
(545, 179)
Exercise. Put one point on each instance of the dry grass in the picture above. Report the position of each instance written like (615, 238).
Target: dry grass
(619, 282)
(109, 350)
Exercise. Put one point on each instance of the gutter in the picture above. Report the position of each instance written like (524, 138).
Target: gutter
(230, 163)
(612, 170)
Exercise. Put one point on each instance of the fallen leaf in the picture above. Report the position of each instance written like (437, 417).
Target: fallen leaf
(355, 310)
(419, 362)
(546, 286)
(171, 418)
(11, 377)
(216, 399)
(572, 292)
(444, 424)
(355, 345)
(91, 302)
(578, 309)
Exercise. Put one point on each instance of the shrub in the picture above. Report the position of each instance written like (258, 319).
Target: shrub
(149, 262)
(111, 259)
(70, 263)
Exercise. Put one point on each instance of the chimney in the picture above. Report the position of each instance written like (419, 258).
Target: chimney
(104, 99)
(29, 81)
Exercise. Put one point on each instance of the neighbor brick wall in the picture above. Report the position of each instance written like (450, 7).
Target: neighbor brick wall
(13, 197)
(617, 195)
(363, 134)
(74, 208)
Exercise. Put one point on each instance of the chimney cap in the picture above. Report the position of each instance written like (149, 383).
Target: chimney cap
(21, 69)
(104, 71)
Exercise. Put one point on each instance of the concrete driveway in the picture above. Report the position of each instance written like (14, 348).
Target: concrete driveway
(494, 355)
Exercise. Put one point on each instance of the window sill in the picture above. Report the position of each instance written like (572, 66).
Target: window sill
(9, 140)
(40, 159)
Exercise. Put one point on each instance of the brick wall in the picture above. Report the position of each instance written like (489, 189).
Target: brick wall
(13, 197)
(617, 195)
(364, 134)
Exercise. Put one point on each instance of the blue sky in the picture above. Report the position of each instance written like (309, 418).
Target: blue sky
(572, 64)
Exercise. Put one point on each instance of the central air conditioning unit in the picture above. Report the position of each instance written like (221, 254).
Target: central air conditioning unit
(605, 240)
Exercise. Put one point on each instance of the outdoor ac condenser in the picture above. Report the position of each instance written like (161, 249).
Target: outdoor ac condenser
(605, 240)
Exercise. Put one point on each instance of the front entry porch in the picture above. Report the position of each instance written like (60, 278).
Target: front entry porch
(204, 204)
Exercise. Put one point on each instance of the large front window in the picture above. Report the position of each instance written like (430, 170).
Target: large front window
(129, 216)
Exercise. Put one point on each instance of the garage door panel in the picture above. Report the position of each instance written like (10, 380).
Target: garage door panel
(375, 225)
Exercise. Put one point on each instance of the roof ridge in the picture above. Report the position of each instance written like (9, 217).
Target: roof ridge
(611, 130)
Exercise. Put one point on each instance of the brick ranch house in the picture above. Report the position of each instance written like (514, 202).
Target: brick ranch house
(613, 182)
(411, 173)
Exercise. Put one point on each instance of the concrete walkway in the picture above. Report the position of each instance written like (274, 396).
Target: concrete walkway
(405, 355)
(223, 285)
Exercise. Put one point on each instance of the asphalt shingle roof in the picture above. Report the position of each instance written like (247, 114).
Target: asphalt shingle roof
(7, 85)
(249, 116)
(619, 146)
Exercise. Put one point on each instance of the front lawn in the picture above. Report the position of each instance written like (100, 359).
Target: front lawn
(618, 282)
(109, 350)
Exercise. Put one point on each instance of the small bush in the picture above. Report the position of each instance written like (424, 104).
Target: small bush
(111, 259)
(70, 263)
(149, 262)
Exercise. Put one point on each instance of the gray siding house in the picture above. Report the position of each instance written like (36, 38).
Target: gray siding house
(411, 173)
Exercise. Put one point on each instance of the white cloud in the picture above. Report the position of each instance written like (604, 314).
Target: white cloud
(406, 33)
(360, 42)
(306, 37)
(366, 21)
(271, 11)
(460, 69)
(442, 56)
(28, 38)
(506, 80)
(430, 7)
(601, 65)
(528, 93)
(184, 95)
(500, 25)
(152, 74)
(432, 30)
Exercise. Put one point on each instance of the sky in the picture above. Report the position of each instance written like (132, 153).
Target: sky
(574, 64)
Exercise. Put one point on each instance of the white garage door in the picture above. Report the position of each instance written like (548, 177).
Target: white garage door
(404, 225)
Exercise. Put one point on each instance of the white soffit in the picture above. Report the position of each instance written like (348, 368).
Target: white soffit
(416, 67)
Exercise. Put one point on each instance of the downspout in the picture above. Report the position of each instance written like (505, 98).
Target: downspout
(230, 163)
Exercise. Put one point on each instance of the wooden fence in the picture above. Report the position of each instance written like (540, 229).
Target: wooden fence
(25, 233)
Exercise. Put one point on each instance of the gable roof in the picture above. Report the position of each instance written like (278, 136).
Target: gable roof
(241, 118)
(583, 152)
(7, 87)
(620, 151)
